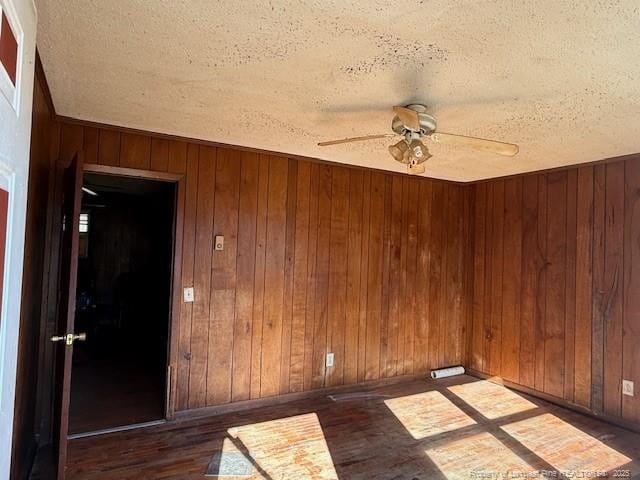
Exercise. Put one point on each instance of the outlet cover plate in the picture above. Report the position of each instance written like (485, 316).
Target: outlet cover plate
(329, 359)
(219, 242)
(627, 387)
(188, 295)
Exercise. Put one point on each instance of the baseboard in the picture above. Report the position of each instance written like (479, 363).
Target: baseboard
(289, 397)
(561, 402)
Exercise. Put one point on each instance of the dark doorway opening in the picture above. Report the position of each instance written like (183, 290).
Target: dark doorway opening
(119, 374)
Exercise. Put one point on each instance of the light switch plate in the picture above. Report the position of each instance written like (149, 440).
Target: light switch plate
(627, 387)
(219, 242)
(329, 359)
(188, 295)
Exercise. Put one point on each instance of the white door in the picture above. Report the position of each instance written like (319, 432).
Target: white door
(17, 60)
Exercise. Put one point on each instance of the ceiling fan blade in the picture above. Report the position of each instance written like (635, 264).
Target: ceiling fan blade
(501, 148)
(416, 169)
(408, 117)
(357, 139)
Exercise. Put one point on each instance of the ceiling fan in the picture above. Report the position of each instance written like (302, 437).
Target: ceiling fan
(414, 124)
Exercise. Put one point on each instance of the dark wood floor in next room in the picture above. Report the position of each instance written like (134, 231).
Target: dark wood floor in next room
(449, 429)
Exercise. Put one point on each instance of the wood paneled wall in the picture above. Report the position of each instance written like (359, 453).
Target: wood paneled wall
(42, 161)
(556, 303)
(318, 258)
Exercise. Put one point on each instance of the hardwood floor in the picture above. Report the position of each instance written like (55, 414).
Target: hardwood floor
(448, 429)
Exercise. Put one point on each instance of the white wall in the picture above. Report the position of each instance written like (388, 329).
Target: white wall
(15, 133)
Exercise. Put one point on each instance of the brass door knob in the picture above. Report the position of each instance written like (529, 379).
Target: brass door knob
(69, 338)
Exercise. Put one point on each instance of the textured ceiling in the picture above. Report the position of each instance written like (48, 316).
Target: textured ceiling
(560, 78)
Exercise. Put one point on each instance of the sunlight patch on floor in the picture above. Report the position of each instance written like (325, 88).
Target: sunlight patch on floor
(491, 400)
(427, 414)
(230, 463)
(293, 447)
(564, 446)
(478, 456)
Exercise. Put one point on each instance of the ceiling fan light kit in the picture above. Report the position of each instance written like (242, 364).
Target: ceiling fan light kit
(418, 151)
(399, 151)
(410, 151)
(414, 124)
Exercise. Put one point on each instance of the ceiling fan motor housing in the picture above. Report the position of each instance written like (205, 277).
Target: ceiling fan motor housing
(427, 122)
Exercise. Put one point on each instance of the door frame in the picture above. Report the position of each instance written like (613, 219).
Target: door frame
(16, 101)
(173, 333)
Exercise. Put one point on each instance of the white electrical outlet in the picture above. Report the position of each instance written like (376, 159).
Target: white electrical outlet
(329, 359)
(188, 295)
(627, 387)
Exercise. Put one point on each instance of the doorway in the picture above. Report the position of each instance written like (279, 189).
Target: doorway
(123, 302)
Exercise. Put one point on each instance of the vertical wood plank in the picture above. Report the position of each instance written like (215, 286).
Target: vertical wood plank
(541, 289)
(159, 155)
(386, 258)
(223, 276)
(529, 280)
(453, 276)
(584, 283)
(476, 356)
(243, 331)
(354, 260)
(512, 280)
(423, 262)
(135, 151)
(71, 141)
(554, 327)
(90, 145)
(598, 296)
(613, 276)
(411, 259)
(375, 275)
(299, 302)
(395, 291)
(322, 277)
(188, 260)
(274, 276)
(178, 381)
(364, 276)
(631, 340)
(337, 287)
(311, 276)
(177, 157)
(202, 278)
(287, 310)
(463, 262)
(488, 271)
(404, 298)
(570, 302)
(259, 278)
(437, 244)
(497, 264)
(109, 148)
(470, 239)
